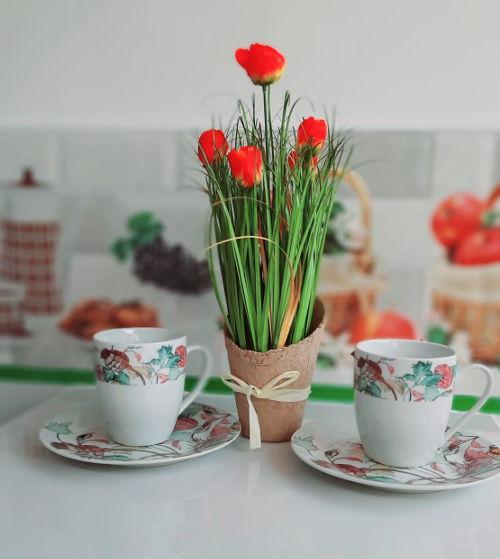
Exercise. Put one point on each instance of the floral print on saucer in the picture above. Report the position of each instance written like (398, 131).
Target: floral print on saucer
(199, 430)
(466, 459)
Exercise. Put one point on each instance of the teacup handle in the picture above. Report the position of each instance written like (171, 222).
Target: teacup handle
(202, 381)
(485, 395)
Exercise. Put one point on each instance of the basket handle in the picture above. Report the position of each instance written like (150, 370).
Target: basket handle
(364, 256)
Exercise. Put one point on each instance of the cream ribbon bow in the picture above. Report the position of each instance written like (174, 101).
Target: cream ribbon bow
(273, 390)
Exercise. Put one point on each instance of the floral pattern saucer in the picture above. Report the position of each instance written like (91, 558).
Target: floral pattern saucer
(199, 430)
(466, 459)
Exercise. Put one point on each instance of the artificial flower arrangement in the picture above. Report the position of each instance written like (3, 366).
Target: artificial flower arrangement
(271, 188)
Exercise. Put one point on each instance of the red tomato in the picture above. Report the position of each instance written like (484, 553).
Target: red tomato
(386, 324)
(456, 217)
(481, 247)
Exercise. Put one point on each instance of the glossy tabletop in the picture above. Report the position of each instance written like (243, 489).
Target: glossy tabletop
(233, 503)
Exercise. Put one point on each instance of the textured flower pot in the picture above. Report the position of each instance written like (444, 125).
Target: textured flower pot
(278, 420)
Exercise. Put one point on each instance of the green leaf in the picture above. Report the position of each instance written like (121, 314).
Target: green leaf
(337, 209)
(431, 393)
(491, 219)
(325, 361)
(118, 457)
(147, 237)
(121, 248)
(421, 369)
(109, 374)
(438, 335)
(382, 478)
(123, 378)
(140, 221)
(374, 390)
(431, 380)
(145, 228)
(59, 428)
(166, 359)
(409, 378)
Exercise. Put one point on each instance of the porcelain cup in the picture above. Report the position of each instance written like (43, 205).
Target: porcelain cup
(140, 382)
(403, 395)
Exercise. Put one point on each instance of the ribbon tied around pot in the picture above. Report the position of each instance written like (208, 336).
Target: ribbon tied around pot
(275, 390)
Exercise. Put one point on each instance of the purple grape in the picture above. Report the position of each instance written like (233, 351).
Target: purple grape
(170, 267)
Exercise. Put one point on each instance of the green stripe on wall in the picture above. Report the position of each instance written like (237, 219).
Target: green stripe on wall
(320, 392)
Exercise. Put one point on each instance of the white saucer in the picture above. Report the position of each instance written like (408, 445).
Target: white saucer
(199, 430)
(466, 459)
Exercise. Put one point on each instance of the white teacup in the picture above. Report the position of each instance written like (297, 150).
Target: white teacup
(403, 396)
(140, 382)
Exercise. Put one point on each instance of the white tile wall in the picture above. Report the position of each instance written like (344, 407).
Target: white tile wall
(401, 231)
(496, 171)
(90, 221)
(405, 291)
(170, 153)
(184, 213)
(29, 148)
(190, 171)
(113, 161)
(465, 161)
(106, 175)
(395, 164)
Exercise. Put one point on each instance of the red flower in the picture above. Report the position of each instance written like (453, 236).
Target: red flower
(220, 431)
(475, 453)
(446, 373)
(182, 353)
(312, 133)
(264, 65)
(212, 147)
(246, 165)
(99, 373)
(372, 369)
(185, 424)
(352, 470)
(294, 157)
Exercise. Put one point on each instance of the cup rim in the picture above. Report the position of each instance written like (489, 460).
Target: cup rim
(111, 336)
(441, 351)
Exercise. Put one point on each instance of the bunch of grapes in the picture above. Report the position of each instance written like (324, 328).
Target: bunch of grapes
(170, 267)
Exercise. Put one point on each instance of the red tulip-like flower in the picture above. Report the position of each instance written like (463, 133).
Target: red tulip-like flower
(246, 165)
(447, 376)
(212, 147)
(264, 65)
(295, 157)
(181, 352)
(312, 133)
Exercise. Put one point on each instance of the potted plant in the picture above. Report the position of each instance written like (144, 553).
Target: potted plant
(271, 188)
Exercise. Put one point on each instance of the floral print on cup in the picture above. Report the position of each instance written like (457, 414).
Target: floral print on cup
(420, 383)
(127, 367)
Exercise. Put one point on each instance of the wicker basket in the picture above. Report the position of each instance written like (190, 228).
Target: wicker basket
(349, 284)
(468, 299)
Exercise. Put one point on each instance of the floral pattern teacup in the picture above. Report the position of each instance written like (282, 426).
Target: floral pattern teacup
(140, 381)
(403, 396)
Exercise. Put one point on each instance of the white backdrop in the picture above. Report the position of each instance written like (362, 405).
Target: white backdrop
(169, 64)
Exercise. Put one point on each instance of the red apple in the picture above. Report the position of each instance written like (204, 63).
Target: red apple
(456, 217)
(385, 324)
(480, 247)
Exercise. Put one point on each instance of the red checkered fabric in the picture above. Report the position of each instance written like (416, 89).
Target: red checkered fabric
(29, 253)
(11, 319)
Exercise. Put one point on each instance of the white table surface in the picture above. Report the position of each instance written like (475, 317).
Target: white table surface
(233, 503)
